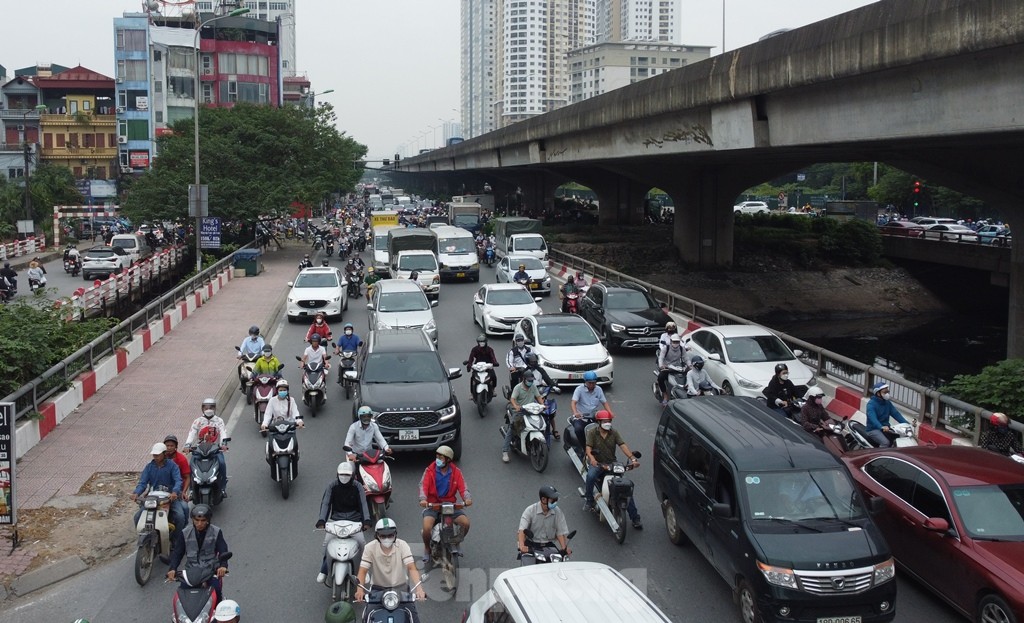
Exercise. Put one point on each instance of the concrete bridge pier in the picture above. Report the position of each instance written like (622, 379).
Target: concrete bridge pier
(620, 198)
(1015, 317)
(703, 228)
(535, 188)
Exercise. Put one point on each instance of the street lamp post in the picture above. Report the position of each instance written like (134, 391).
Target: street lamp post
(309, 96)
(195, 197)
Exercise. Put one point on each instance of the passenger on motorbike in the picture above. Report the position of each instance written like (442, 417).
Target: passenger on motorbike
(319, 327)
(1000, 438)
(267, 364)
(162, 474)
(171, 443)
(586, 400)
(36, 273)
(9, 277)
(210, 427)
(251, 345)
(359, 263)
(601, 444)
(671, 355)
(879, 410)
(362, 435)
(283, 407)
(523, 393)
(442, 480)
(815, 419)
(482, 352)
(516, 358)
(314, 353)
(199, 543)
(71, 253)
(391, 562)
(546, 521)
(344, 500)
(665, 339)
(781, 392)
(698, 379)
(521, 275)
(566, 290)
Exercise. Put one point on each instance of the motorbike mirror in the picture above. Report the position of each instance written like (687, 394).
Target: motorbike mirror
(347, 448)
(327, 357)
(238, 349)
(226, 439)
(291, 283)
(280, 367)
(297, 358)
(637, 454)
(226, 556)
(434, 303)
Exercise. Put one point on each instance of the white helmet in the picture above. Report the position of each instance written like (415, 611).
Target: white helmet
(159, 448)
(226, 610)
(814, 391)
(345, 471)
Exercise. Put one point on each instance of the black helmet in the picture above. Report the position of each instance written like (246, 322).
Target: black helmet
(254, 330)
(697, 362)
(481, 339)
(531, 359)
(201, 510)
(173, 438)
(549, 492)
(779, 367)
(325, 263)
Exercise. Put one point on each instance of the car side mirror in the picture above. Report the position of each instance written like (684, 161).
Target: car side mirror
(936, 524)
(719, 509)
(434, 303)
(537, 299)
(875, 505)
(291, 283)
(369, 306)
(798, 353)
(715, 357)
(454, 373)
(477, 300)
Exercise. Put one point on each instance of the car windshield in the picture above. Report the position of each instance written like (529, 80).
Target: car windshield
(756, 349)
(462, 220)
(628, 300)
(530, 243)
(531, 263)
(456, 245)
(402, 302)
(317, 280)
(403, 368)
(417, 262)
(801, 495)
(380, 243)
(509, 297)
(124, 243)
(565, 334)
(100, 253)
(992, 512)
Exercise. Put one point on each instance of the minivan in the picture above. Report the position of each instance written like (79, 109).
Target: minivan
(401, 304)
(134, 245)
(774, 512)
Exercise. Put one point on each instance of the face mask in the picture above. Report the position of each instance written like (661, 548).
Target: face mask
(529, 383)
(606, 425)
(254, 338)
(348, 331)
(439, 462)
(885, 396)
(209, 413)
(552, 506)
(481, 344)
(784, 377)
(319, 321)
(388, 542)
(344, 479)
(283, 393)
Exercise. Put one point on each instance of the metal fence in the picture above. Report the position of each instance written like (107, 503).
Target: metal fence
(925, 403)
(109, 293)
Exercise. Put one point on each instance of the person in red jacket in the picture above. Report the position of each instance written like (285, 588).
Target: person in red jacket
(441, 481)
(319, 327)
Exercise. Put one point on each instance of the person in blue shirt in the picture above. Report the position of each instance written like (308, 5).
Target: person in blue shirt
(348, 341)
(880, 409)
(252, 345)
(162, 474)
(587, 399)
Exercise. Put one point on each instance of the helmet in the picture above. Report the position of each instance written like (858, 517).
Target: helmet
(531, 359)
(340, 612)
(589, 376)
(670, 327)
(697, 362)
(569, 279)
(345, 469)
(282, 383)
(254, 330)
(365, 412)
(315, 337)
(325, 263)
(998, 419)
(173, 438)
(445, 451)
(522, 267)
(348, 325)
(879, 386)
(675, 338)
(268, 349)
(319, 314)
(386, 526)
(209, 402)
(201, 510)
(520, 337)
(814, 391)
(226, 610)
(158, 448)
(369, 269)
(604, 416)
(481, 338)
(779, 367)
(549, 492)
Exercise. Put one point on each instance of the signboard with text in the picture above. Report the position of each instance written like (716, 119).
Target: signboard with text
(209, 233)
(138, 159)
(8, 515)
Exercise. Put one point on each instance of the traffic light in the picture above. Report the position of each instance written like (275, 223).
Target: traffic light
(917, 192)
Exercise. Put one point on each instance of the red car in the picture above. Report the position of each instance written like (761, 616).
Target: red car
(902, 228)
(954, 519)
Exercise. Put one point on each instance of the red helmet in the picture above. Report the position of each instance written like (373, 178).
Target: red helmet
(602, 416)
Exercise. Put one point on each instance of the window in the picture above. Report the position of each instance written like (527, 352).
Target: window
(13, 173)
(181, 86)
(157, 56)
(122, 128)
(60, 140)
(207, 93)
(896, 476)
(158, 86)
(159, 116)
(928, 498)
(131, 70)
(138, 130)
(698, 463)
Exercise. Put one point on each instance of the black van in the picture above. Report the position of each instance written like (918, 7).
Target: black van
(774, 512)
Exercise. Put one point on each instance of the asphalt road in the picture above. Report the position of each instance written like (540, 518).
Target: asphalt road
(277, 551)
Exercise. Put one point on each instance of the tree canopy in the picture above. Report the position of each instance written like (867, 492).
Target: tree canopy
(257, 161)
(51, 185)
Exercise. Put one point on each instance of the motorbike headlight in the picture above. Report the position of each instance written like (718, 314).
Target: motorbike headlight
(618, 328)
(430, 326)
(150, 504)
(745, 384)
(447, 413)
(390, 600)
(885, 571)
(778, 576)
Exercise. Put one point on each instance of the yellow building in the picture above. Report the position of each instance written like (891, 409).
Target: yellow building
(79, 128)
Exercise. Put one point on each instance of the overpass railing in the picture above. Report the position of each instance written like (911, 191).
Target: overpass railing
(28, 399)
(924, 403)
(110, 292)
(20, 248)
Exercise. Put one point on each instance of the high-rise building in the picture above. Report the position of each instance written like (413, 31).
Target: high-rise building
(637, 20)
(282, 11)
(480, 48)
(603, 67)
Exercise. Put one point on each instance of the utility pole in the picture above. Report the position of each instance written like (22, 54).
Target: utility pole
(28, 189)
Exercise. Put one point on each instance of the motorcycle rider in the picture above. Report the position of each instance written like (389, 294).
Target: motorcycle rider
(441, 481)
(566, 290)
(161, 473)
(780, 391)
(523, 393)
(586, 400)
(664, 341)
(362, 435)
(815, 419)
(171, 443)
(482, 352)
(671, 355)
(227, 611)
(268, 363)
(36, 273)
(601, 444)
(314, 353)
(546, 521)
(1000, 438)
(283, 407)
(319, 327)
(521, 275)
(200, 543)
(306, 262)
(210, 427)
(698, 377)
(251, 345)
(516, 358)
(371, 280)
(9, 275)
(71, 253)
(879, 410)
(349, 341)
(344, 500)
(391, 561)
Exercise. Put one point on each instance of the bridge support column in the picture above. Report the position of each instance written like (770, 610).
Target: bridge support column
(534, 190)
(620, 199)
(1015, 319)
(703, 228)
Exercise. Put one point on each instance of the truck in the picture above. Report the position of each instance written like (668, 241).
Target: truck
(381, 259)
(517, 235)
(464, 214)
(383, 217)
(406, 247)
(456, 253)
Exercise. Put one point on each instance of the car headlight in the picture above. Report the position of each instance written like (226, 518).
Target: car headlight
(885, 571)
(547, 280)
(745, 384)
(436, 280)
(430, 326)
(444, 267)
(813, 381)
(475, 266)
(618, 328)
(383, 325)
(779, 576)
(336, 299)
(447, 413)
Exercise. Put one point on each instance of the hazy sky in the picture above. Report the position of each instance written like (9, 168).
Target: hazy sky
(393, 64)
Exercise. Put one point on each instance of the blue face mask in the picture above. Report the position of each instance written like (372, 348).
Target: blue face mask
(283, 393)
(439, 462)
(552, 506)
(529, 383)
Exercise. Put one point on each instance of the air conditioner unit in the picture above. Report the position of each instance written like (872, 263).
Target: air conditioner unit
(21, 128)
(208, 71)
(126, 169)
(120, 79)
(120, 110)
(122, 139)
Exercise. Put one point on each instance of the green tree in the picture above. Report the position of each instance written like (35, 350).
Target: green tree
(996, 388)
(257, 161)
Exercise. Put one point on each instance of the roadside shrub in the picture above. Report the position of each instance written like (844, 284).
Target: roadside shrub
(996, 388)
(854, 242)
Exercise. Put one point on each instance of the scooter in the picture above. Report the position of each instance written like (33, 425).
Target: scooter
(314, 385)
(388, 606)
(73, 266)
(445, 538)
(482, 390)
(195, 600)
(283, 454)
(375, 475)
(856, 435)
(541, 553)
(154, 533)
(532, 439)
(354, 279)
(489, 256)
(205, 487)
(35, 284)
(318, 242)
(348, 364)
(329, 249)
(572, 303)
(704, 389)
(245, 366)
(676, 378)
(263, 387)
(342, 550)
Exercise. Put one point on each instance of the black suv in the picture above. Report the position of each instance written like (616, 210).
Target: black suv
(402, 379)
(624, 314)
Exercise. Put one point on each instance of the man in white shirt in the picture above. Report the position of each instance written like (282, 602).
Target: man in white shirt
(362, 434)
(314, 353)
(283, 406)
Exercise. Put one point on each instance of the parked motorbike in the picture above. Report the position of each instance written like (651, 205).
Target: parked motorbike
(531, 439)
(375, 475)
(314, 385)
(445, 538)
(483, 392)
(342, 550)
(348, 364)
(541, 553)
(195, 600)
(283, 454)
(676, 378)
(245, 366)
(206, 485)
(388, 606)
(154, 533)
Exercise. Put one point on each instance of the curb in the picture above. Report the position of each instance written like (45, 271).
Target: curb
(46, 576)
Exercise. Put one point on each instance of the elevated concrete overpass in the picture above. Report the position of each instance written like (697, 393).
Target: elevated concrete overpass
(935, 87)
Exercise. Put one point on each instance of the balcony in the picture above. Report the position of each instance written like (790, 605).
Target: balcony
(80, 153)
(18, 114)
(81, 119)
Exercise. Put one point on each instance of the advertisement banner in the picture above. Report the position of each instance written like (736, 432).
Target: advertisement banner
(8, 515)
(138, 159)
(209, 233)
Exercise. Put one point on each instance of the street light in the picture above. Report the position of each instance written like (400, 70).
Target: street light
(196, 200)
(28, 191)
(434, 128)
(309, 96)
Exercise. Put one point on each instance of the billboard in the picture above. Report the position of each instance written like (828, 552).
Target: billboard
(8, 515)
(209, 233)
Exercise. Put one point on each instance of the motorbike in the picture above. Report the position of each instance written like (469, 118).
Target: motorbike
(35, 284)
(314, 385)
(445, 538)
(375, 475)
(489, 257)
(388, 606)
(245, 366)
(283, 454)
(195, 600)
(263, 388)
(482, 390)
(154, 533)
(541, 553)
(73, 265)
(329, 248)
(572, 303)
(205, 488)
(354, 279)
(348, 364)
(318, 242)
(532, 439)
(856, 435)
(676, 378)
(342, 550)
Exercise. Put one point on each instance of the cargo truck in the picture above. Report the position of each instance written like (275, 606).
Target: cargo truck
(464, 214)
(516, 235)
(413, 250)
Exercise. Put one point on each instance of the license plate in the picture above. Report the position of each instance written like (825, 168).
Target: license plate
(648, 340)
(853, 619)
(575, 377)
(408, 434)
(534, 286)
(460, 275)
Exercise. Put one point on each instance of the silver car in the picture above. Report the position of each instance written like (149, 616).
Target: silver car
(540, 282)
(401, 304)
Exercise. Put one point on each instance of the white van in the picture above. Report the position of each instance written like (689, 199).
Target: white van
(381, 261)
(134, 245)
(456, 253)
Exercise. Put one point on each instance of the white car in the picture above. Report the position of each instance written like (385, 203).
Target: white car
(498, 307)
(540, 282)
(317, 289)
(741, 358)
(951, 232)
(567, 347)
(751, 207)
(104, 261)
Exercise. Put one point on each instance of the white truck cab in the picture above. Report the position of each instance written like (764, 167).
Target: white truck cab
(422, 262)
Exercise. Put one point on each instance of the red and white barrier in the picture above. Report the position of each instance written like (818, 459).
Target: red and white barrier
(21, 248)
